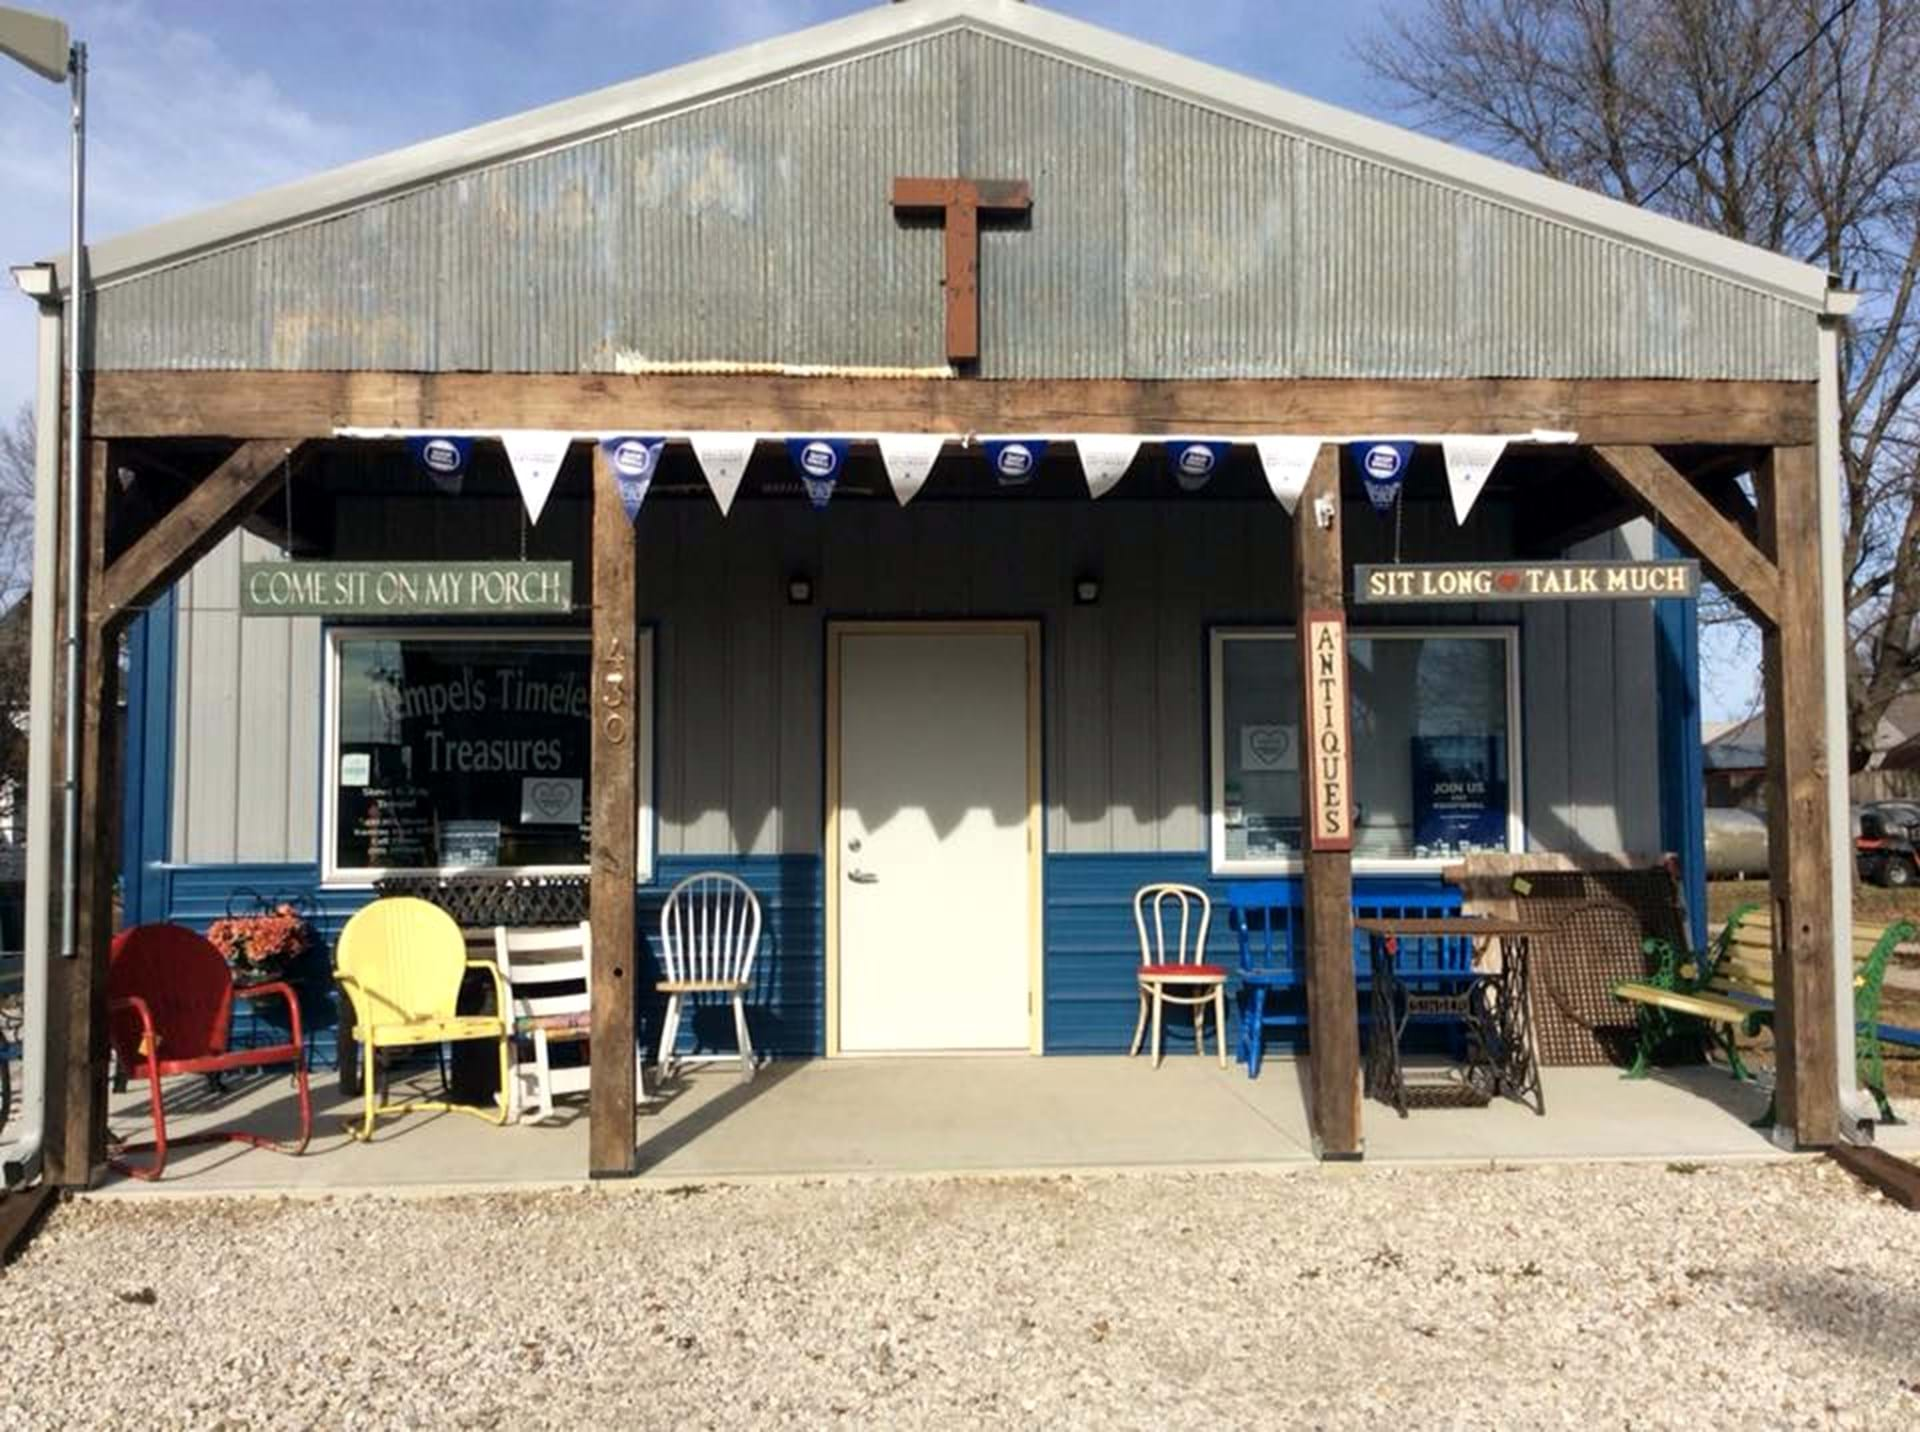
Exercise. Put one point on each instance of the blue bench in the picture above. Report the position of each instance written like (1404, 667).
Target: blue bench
(1266, 919)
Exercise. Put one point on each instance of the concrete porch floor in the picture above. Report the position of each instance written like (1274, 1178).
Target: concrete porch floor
(947, 1115)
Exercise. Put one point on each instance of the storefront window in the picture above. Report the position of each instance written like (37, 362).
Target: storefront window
(1432, 719)
(461, 751)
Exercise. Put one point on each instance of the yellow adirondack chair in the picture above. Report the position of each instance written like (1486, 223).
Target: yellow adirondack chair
(401, 961)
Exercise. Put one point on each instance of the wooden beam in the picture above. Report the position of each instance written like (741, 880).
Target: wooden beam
(190, 530)
(1663, 492)
(75, 1150)
(1893, 1176)
(1800, 845)
(615, 741)
(1333, 1014)
(312, 405)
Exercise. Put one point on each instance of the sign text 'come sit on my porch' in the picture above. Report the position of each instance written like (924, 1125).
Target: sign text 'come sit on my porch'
(366, 589)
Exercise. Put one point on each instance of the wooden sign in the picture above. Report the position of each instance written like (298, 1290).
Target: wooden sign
(379, 589)
(1327, 767)
(1524, 581)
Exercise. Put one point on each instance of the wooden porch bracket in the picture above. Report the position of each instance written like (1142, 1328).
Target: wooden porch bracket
(193, 528)
(614, 828)
(1333, 1004)
(1747, 576)
(1800, 845)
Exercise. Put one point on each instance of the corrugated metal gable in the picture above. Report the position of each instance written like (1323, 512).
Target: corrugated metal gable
(1167, 240)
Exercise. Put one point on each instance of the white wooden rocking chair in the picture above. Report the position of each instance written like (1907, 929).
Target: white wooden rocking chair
(709, 935)
(547, 974)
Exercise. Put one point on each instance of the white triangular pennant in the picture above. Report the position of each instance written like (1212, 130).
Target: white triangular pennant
(1105, 460)
(724, 458)
(535, 457)
(1470, 462)
(1288, 462)
(908, 457)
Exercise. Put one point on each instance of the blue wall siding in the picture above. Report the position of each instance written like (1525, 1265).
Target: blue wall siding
(147, 766)
(786, 1006)
(1092, 949)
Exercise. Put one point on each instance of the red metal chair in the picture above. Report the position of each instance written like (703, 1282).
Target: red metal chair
(170, 997)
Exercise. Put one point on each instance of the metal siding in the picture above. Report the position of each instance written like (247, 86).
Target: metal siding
(1167, 240)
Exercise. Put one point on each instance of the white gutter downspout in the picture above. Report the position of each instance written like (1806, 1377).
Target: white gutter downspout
(1856, 1105)
(22, 1157)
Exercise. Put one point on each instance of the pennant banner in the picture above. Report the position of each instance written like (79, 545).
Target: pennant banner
(1383, 467)
(535, 457)
(723, 459)
(1194, 463)
(818, 462)
(445, 459)
(1288, 462)
(633, 461)
(908, 458)
(1470, 462)
(1015, 461)
(1105, 461)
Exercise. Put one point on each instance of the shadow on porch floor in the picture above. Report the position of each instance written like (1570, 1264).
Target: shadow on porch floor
(950, 1115)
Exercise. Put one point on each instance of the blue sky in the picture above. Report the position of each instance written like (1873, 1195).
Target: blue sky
(193, 102)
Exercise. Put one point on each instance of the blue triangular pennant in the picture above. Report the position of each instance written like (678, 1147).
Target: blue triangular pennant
(444, 459)
(1193, 464)
(818, 461)
(1015, 460)
(1383, 467)
(632, 461)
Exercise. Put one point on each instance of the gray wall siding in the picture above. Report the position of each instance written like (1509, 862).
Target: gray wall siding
(739, 672)
(247, 721)
(1591, 714)
(1168, 240)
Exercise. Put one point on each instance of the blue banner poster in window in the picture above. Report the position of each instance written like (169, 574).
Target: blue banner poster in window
(1459, 794)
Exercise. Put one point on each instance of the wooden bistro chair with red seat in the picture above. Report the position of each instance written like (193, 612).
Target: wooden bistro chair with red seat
(170, 999)
(1175, 971)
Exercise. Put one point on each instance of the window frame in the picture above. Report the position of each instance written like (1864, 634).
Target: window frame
(1217, 638)
(354, 876)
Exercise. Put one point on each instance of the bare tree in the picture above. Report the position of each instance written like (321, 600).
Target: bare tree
(1792, 124)
(16, 573)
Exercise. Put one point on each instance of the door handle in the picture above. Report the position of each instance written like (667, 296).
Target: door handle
(863, 877)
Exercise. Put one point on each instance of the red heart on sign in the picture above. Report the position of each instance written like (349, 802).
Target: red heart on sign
(1507, 581)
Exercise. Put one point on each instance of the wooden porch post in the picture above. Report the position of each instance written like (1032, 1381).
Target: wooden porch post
(76, 1143)
(1806, 1053)
(1333, 1019)
(616, 739)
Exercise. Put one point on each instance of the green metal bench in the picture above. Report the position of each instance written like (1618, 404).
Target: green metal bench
(1730, 993)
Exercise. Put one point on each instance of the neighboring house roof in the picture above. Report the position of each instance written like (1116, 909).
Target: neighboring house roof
(1742, 745)
(750, 154)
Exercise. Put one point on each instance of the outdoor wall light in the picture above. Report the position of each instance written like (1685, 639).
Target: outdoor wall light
(1086, 590)
(799, 590)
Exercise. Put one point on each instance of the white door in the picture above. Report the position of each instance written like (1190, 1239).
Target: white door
(933, 873)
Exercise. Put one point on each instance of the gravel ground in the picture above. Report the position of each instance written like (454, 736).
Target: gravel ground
(1603, 1296)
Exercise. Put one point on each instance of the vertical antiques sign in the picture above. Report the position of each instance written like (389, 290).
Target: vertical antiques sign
(1328, 762)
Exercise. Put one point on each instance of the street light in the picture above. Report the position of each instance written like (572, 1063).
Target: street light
(44, 46)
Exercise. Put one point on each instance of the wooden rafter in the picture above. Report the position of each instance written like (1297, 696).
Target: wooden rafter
(1749, 577)
(190, 530)
(313, 405)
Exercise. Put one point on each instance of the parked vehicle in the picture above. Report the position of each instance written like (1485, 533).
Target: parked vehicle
(1884, 851)
(1736, 843)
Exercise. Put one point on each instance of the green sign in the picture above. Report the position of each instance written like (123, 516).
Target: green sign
(1524, 581)
(379, 589)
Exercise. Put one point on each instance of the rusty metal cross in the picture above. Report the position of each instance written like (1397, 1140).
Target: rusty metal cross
(961, 203)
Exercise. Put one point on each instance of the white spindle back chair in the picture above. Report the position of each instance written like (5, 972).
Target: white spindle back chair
(709, 936)
(1175, 971)
(548, 974)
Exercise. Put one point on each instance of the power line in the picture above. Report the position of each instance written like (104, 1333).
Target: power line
(1752, 99)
